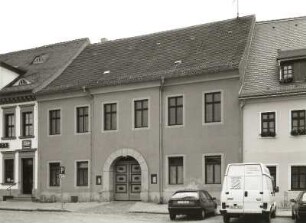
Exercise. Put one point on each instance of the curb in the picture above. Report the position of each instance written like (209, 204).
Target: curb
(37, 209)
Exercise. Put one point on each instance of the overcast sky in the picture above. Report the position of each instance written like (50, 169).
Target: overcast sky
(32, 23)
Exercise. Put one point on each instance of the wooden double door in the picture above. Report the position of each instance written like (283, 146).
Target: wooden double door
(127, 179)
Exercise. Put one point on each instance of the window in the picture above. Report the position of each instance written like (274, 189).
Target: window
(287, 73)
(298, 177)
(9, 171)
(9, 131)
(272, 170)
(213, 107)
(212, 169)
(176, 173)
(175, 110)
(54, 171)
(82, 119)
(141, 113)
(268, 124)
(298, 122)
(82, 173)
(55, 122)
(27, 124)
(110, 116)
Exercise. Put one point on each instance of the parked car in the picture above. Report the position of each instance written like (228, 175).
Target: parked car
(299, 207)
(197, 203)
(248, 190)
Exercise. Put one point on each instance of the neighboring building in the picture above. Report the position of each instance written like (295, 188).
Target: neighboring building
(138, 118)
(273, 97)
(22, 74)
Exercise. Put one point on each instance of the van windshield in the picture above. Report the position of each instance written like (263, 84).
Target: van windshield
(180, 195)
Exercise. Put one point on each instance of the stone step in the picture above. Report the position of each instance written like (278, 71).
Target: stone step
(29, 198)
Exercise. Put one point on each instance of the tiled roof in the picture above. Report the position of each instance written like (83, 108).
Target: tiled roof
(57, 55)
(207, 48)
(271, 37)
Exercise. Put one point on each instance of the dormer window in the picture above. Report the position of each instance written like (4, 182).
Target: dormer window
(21, 82)
(286, 73)
(40, 59)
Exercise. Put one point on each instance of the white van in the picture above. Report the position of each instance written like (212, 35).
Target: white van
(248, 189)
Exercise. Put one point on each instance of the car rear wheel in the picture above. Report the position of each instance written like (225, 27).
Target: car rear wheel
(202, 214)
(226, 218)
(172, 216)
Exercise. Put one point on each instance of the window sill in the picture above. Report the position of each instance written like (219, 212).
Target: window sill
(26, 137)
(8, 184)
(8, 138)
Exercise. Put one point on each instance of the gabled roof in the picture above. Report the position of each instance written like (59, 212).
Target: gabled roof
(208, 48)
(273, 40)
(59, 56)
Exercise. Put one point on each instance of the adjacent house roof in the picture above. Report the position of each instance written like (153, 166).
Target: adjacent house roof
(273, 40)
(201, 49)
(38, 65)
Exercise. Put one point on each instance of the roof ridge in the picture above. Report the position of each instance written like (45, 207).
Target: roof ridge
(172, 30)
(281, 20)
(45, 46)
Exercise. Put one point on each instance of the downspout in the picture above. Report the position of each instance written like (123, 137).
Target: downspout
(161, 148)
(242, 104)
(91, 179)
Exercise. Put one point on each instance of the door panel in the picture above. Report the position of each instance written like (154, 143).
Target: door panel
(127, 180)
(27, 175)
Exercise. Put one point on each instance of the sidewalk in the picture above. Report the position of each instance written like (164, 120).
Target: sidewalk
(115, 207)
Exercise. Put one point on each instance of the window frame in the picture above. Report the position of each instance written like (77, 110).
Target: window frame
(297, 131)
(76, 174)
(11, 171)
(134, 118)
(49, 174)
(290, 76)
(221, 122)
(83, 117)
(9, 129)
(291, 176)
(60, 121)
(214, 172)
(167, 110)
(104, 117)
(268, 133)
(276, 172)
(167, 169)
(25, 125)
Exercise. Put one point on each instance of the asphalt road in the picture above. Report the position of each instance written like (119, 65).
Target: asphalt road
(59, 217)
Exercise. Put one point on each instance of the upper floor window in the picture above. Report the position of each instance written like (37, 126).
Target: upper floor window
(268, 124)
(213, 107)
(287, 72)
(176, 170)
(27, 124)
(55, 122)
(175, 110)
(82, 119)
(141, 113)
(212, 169)
(9, 125)
(110, 116)
(272, 170)
(298, 122)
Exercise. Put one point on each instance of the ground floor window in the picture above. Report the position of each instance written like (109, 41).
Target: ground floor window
(272, 170)
(176, 170)
(54, 170)
(82, 173)
(212, 169)
(9, 171)
(298, 177)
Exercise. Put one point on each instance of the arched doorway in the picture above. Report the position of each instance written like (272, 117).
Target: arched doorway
(127, 179)
(125, 183)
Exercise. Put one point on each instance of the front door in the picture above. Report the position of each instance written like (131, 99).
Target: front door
(127, 179)
(27, 175)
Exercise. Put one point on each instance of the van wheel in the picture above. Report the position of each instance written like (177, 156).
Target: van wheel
(226, 218)
(172, 216)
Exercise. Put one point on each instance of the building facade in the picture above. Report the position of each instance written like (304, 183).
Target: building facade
(22, 74)
(139, 118)
(273, 101)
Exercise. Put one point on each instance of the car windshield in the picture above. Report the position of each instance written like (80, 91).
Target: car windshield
(180, 195)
